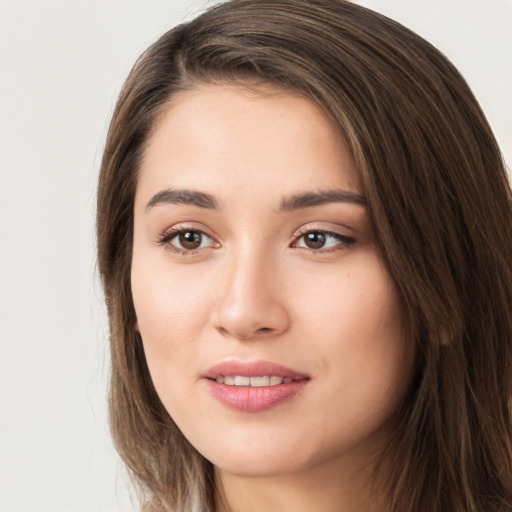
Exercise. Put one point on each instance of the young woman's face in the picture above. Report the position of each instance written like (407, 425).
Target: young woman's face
(271, 327)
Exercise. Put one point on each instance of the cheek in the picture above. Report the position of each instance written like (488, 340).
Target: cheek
(359, 336)
(171, 314)
(359, 303)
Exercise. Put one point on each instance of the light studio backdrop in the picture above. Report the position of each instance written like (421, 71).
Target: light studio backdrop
(62, 64)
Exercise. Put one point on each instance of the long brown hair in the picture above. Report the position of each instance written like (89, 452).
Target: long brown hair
(441, 207)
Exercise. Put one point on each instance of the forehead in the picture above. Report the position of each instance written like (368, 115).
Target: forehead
(258, 138)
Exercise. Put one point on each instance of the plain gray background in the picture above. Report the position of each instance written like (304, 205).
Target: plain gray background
(62, 63)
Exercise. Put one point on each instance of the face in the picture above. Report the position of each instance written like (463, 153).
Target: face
(271, 327)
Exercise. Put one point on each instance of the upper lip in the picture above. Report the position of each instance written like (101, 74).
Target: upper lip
(252, 369)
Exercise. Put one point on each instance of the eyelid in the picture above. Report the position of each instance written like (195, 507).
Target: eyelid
(326, 227)
(186, 226)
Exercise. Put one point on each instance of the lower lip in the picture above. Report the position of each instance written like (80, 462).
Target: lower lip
(255, 399)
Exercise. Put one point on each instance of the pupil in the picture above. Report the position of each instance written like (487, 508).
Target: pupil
(190, 239)
(315, 240)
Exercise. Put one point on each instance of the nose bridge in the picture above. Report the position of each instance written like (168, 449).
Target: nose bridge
(252, 302)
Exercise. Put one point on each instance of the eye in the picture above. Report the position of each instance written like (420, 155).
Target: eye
(189, 239)
(317, 240)
(186, 241)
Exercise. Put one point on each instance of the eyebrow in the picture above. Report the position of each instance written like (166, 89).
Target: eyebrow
(183, 196)
(309, 199)
(295, 202)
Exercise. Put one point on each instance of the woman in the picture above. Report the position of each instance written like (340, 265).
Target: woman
(304, 239)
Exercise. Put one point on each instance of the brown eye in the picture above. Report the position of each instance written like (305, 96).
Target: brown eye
(190, 239)
(323, 241)
(314, 240)
(184, 241)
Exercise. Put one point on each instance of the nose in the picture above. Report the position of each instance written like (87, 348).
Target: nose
(252, 302)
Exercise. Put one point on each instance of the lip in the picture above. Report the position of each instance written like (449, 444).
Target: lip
(252, 369)
(253, 399)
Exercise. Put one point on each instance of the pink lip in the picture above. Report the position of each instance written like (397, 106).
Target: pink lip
(253, 399)
(252, 369)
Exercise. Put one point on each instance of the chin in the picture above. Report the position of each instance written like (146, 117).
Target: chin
(263, 461)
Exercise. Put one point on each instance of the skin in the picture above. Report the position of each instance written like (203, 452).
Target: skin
(255, 290)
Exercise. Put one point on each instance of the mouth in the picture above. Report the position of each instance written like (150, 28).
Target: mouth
(254, 382)
(253, 386)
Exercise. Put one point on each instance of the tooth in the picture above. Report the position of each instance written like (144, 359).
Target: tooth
(258, 382)
(242, 381)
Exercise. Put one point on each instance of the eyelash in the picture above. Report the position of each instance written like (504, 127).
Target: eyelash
(165, 240)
